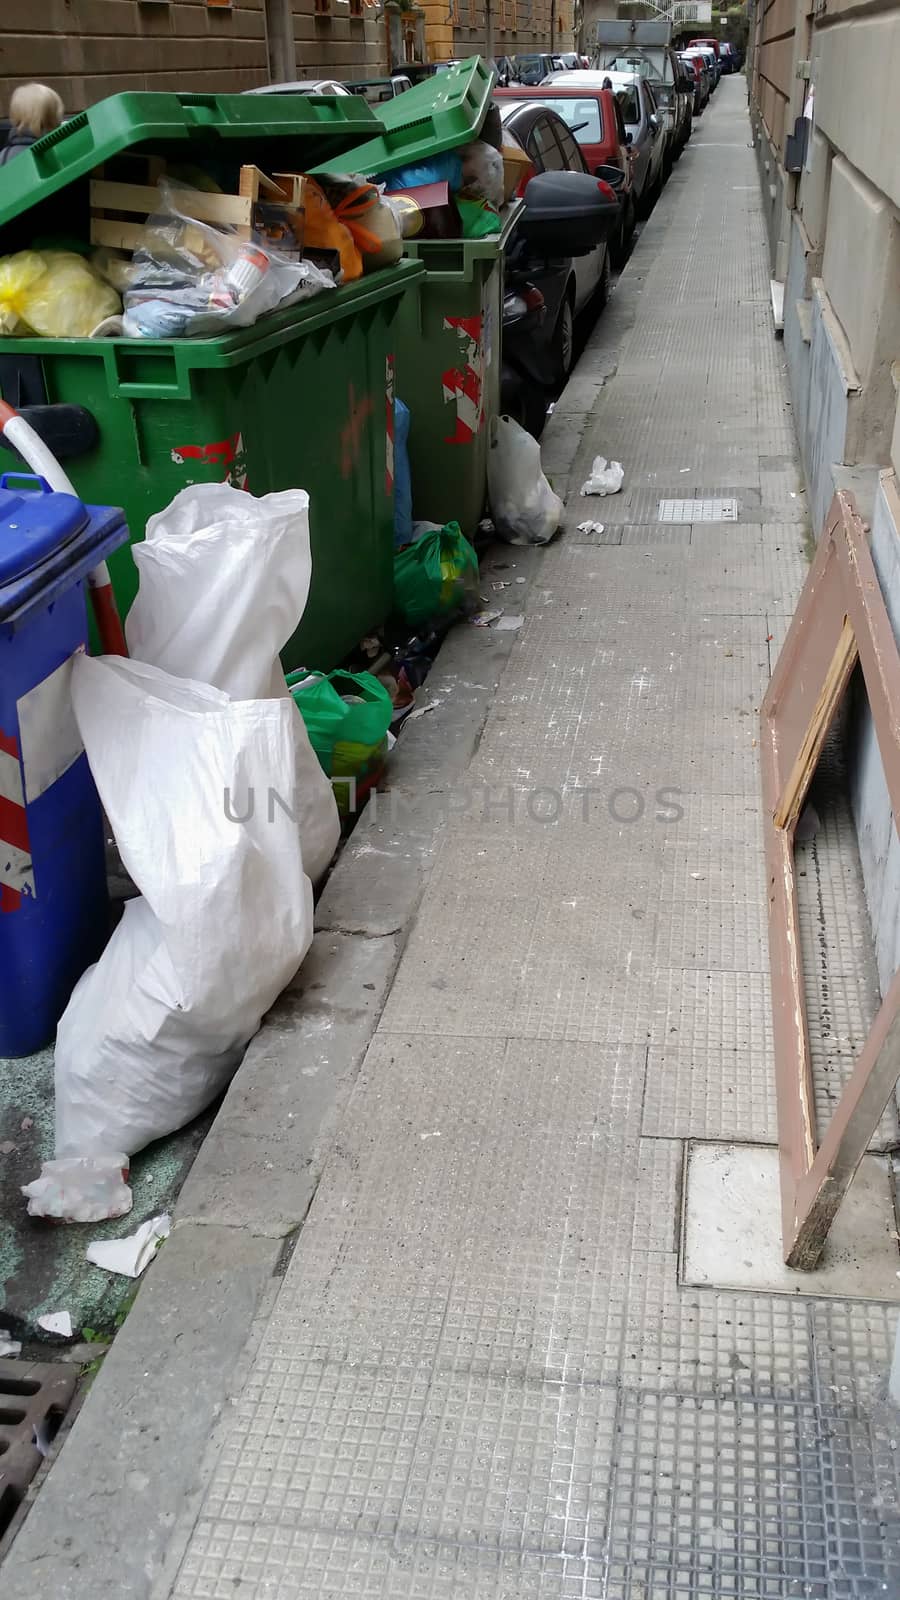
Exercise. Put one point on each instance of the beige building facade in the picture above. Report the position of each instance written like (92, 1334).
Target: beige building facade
(519, 27)
(87, 49)
(829, 73)
(90, 48)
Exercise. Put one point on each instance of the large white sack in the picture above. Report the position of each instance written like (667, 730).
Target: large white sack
(224, 581)
(154, 1031)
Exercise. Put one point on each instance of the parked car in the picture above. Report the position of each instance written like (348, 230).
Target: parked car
(377, 90)
(700, 77)
(564, 211)
(594, 116)
(712, 62)
(568, 285)
(568, 61)
(503, 67)
(708, 44)
(707, 72)
(644, 133)
(532, 69)
(728, 57)
(328, 86)
(660, 65)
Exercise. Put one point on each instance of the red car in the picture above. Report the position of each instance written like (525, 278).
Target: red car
(595, 118)
(694, 65)
(708, 44)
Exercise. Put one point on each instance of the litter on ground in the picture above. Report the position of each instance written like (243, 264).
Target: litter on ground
(130, 1256)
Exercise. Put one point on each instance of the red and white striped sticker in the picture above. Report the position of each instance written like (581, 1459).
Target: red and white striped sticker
(16, 870)
(465, 384)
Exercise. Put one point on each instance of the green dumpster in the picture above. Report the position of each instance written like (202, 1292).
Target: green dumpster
(300, 399)
(448, 358)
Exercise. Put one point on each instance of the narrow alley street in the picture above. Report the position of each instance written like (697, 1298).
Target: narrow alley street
(491, 1367)
(483, 1375)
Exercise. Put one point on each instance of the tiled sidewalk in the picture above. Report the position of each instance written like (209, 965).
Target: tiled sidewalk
(483, 1376)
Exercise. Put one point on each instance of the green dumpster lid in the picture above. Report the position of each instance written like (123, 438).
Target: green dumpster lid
(438, 114)
(243, 128)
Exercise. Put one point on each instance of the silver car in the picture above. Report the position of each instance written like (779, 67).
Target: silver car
(326, 86)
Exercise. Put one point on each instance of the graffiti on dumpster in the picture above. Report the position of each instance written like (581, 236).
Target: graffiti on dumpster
(465, 384)
(228, 453)
(359, 412)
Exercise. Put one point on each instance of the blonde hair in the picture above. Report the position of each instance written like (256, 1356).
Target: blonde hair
(35, 109)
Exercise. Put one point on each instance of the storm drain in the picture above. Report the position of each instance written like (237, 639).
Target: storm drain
(34, 1398)
(713, 510)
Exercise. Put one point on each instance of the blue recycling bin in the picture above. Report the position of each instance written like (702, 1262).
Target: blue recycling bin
(53, 900)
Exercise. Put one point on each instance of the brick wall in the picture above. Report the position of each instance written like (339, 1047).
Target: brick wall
(90, 48)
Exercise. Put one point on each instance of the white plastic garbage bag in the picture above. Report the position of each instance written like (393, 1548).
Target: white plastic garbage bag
(606, 477)
(196, 787)
(523, 505)
(224, 581)
(81, 1189)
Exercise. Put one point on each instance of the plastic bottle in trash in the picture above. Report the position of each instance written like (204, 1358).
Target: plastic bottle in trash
(248, 268)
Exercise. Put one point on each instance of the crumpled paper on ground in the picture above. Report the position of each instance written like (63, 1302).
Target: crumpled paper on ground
(59, 1322)
(130, 1256)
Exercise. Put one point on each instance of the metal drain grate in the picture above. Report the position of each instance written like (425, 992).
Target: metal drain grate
(33, 1394)
(714, 510)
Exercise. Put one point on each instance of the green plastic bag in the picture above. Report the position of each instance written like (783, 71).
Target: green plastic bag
(479, 219)
(435, 576)
(347, 717)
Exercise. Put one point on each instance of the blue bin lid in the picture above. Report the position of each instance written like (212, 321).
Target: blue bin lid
(34, 522)
(48, 542)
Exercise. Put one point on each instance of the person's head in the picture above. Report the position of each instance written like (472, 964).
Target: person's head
(35, 109)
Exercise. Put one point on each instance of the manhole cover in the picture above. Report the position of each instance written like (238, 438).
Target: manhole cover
(34, 1395)
(715, 510)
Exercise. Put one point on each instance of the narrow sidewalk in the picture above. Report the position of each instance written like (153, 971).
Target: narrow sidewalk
(484, 1375)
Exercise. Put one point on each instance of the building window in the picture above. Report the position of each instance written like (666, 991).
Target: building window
(473, 15)
(322, 8)
(356, 8)
(502, 15)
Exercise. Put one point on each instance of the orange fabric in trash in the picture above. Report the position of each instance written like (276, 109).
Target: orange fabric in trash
(323, 230)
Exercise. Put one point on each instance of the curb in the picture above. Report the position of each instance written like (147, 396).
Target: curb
(108, 1520)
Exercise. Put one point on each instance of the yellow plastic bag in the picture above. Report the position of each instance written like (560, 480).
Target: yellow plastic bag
(53, 293)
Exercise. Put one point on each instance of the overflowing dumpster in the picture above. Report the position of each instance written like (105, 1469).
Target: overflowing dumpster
(302, 397)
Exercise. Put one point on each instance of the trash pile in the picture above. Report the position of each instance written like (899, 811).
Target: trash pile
(225, 783)
(221, 783)
(458, 194)
(191, 261)
(223, 818)
(225, 786)
(187, 270)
